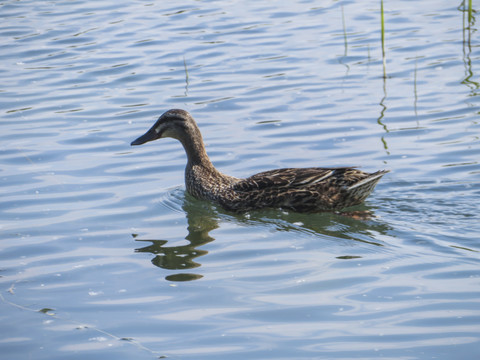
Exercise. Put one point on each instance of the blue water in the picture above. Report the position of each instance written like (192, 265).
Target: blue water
(104, 255)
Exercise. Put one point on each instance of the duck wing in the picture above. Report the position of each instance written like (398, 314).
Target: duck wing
(295, 178)
(302, 189)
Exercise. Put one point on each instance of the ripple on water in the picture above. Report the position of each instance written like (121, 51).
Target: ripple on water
(110, 255)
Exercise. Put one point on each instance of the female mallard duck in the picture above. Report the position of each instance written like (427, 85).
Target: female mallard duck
(300, 189)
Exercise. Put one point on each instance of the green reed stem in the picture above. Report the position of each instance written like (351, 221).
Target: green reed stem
(382, 20)
(470, 15)
(186, 69)
(415, 88)
(344, 31)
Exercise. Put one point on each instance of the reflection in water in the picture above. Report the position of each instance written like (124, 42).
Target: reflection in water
(382, 115)
(326, 225)
(468, 23)
(200, 223)
(204, 217)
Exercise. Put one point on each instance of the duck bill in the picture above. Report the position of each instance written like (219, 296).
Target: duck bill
(150, 135)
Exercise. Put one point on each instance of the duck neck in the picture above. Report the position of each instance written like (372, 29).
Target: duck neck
(195, 149)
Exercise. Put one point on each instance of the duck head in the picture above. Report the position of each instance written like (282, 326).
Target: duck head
(174, 123)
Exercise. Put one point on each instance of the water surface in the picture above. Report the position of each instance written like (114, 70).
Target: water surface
(103, 254)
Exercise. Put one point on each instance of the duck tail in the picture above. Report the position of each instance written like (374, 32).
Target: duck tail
(361, 189)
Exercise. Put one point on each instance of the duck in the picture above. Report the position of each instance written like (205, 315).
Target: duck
(303, 190)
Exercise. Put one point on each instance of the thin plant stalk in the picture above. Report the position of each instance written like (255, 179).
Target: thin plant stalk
(186, 75)
(470, 15)
(186, 69)
(344, 31)
(382, 20)
(415, 88)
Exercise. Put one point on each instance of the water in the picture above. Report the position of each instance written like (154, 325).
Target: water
(102, 252)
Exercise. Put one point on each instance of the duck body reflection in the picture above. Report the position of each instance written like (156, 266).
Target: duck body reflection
(203, 218)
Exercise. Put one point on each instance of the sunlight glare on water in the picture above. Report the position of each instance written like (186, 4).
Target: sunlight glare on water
(104, 254)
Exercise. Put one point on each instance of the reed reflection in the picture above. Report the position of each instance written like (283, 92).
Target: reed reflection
(468, 29)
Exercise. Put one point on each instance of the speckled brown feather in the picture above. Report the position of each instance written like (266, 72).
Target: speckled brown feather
(305, 189)
(297, 189)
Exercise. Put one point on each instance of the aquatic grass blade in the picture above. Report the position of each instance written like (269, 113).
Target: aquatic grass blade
(382, 21)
